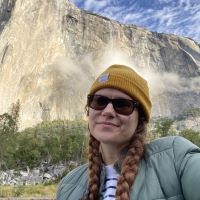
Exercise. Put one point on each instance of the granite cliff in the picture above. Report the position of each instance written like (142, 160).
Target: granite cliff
(50, 52)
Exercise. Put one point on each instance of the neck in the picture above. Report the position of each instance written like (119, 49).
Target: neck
(110, 153)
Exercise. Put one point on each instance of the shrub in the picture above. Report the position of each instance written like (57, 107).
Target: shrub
(49, 142)
(191, 135)
(162, 126)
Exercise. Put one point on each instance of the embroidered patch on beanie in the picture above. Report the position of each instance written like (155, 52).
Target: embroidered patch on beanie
(103, 78)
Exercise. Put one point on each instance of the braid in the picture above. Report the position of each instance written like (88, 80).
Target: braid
(130, 163)
(94, 169)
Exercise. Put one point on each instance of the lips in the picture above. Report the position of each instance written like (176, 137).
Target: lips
(108, 124)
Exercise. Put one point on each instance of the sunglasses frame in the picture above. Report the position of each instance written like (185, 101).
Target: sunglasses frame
(135, 104)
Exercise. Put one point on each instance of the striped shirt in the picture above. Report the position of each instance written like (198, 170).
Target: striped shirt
(110, 183)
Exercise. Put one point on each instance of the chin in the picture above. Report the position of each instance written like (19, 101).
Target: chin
(104, 138)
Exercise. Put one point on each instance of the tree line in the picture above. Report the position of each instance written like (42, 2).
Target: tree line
(52, 142)
(47, 142)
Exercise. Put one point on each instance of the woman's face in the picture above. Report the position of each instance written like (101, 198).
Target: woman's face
(109, 127)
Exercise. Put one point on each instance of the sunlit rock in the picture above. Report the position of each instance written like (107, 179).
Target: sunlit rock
(50, 52)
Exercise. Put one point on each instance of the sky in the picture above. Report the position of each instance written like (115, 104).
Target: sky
(179, 17)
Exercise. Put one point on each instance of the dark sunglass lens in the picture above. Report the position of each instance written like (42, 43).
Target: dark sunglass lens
(99, 102)
(123, 106)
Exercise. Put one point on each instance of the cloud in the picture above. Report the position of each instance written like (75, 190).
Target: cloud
(179, 17)
(95, 5)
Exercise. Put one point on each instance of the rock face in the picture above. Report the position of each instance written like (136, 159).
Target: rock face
(6, 7)
(189, 123)
(50, 52)
(41, 174)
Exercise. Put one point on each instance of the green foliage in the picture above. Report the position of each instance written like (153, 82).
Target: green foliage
(191, 112)
(28, 151)
(162, 126)
(191, 135)
(7, 124)
(8, 130)
(9, 121)
(49, 142)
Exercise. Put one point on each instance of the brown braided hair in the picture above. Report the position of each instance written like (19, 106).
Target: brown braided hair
(129, 166)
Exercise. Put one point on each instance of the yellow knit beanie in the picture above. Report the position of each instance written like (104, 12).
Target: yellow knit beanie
(128, 81)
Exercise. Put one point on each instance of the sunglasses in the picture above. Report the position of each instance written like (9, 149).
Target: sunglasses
(121, 106)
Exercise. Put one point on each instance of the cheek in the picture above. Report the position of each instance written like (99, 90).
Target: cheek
(130, 125)
(91, 114)
(91, 119)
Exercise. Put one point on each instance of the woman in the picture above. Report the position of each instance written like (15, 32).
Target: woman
(121, 166)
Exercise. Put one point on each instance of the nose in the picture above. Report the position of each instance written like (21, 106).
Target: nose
(109, 110)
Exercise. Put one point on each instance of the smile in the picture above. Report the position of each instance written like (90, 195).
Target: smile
(108, 123)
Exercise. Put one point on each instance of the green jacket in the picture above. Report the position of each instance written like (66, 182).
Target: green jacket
(170, 170)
